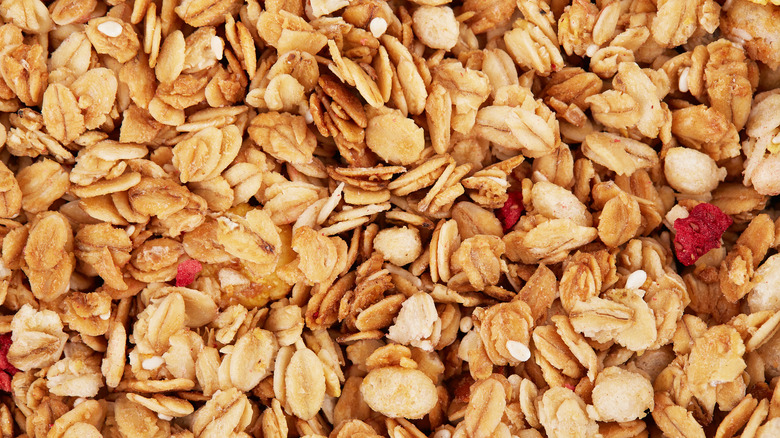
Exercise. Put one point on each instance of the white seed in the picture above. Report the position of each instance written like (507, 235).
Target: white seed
(676, 212)
(591, 50)
(329, 407)
(164, 417)
(152, 363)
(683, 85)
(4, 271)
(636, 279)
(229, 277)
(78, 401)
(217, 46)
(105, 316)
(228, 223)
(425, 345)
(110, 28)
(444, 433)
(330, 204)
(308, 117)
(499, 181)
(538, 176)
(466, 323)
(741, 34)
(518, 350)
(776, 139)
(378, 26)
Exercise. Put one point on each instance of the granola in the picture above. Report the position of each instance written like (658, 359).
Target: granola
(425, 218)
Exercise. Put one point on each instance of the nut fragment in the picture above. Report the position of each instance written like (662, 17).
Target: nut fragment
(399, 246)
(436, 26)
(692, 172)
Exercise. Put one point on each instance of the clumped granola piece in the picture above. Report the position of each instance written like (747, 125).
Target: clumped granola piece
(755, 26)
(37, 338)
(621, 395)
(763, 296)
(563, 414)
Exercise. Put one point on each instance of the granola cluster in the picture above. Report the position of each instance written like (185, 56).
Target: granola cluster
(372, 218)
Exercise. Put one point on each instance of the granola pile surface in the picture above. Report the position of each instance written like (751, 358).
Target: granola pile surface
(404, 219)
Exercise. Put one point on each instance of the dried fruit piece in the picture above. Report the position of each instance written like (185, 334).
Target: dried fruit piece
(6, 369)
(186, 272)
(699, 232)
(510, 213)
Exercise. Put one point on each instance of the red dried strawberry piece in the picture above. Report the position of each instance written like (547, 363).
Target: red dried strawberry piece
(7, 370)
(5, 382)
(187, 272)
(5, 344)
(700, 232)
(510, 213)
